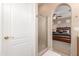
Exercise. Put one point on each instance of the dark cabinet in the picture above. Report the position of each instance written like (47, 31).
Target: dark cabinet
(78, 46)
(62, 38)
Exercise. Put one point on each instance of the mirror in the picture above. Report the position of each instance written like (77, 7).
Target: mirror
(61, 32)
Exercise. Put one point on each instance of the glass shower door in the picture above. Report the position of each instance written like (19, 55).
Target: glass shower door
(42, 34)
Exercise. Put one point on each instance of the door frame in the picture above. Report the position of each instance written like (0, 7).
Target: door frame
(36, 29)
(0, 27)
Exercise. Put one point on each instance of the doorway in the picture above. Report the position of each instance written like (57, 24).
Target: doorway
(61, 32)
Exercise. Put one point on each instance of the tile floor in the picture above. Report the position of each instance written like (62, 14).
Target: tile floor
(51, 53)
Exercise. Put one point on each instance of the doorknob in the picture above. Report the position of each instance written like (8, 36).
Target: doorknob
(6, 37)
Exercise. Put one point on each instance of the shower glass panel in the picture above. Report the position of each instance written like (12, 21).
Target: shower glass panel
(42, 34)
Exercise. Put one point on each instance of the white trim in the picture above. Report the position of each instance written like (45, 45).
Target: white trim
(36, 29)
(0, 28)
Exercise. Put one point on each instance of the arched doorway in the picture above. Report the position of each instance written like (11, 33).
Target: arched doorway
(61, 32)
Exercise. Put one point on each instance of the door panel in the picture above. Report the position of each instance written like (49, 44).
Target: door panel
(18, 25)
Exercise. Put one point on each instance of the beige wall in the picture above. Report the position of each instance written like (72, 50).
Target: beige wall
(75, 23)
(48, 9)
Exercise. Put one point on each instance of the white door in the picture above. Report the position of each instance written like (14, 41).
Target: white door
(18, 27)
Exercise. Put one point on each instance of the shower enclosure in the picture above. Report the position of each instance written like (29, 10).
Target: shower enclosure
(42, 34)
